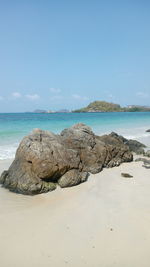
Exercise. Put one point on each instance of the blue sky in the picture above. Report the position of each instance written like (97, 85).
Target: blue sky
(65, 54)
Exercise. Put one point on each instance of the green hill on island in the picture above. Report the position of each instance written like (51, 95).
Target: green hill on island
(103, 106)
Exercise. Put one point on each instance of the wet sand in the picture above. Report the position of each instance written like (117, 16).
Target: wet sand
(103, 222)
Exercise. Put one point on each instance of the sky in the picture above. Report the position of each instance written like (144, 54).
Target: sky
(58, 54)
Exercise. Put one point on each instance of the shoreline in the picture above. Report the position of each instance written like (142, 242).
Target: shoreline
(101, 222)
(8, 150)
(131, 126)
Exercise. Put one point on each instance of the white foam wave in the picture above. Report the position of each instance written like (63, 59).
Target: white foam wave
(136, 136)
(8, 151)
(128, 133)
(136, 133)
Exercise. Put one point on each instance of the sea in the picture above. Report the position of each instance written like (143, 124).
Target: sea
(14, 126)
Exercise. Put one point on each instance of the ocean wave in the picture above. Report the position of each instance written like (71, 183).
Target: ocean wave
(137, 136)
(135, 133)
(8, 151)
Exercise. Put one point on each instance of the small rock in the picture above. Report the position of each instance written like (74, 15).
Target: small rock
(145, 161)
(147, 153)
(148, 131)
(126, 175)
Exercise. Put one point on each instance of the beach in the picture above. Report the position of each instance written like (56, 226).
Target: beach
(75, 134)
(102, 222)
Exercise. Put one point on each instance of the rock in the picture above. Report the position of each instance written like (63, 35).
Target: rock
(44, 159)
(147, 153)
(72, 177)
(145, 161)
(112, 139)
(26, 184)
(79, 136)
(135, 146)
(115, 139)
(126, 175)
(40, 160)
(95, 153)
(148, 131)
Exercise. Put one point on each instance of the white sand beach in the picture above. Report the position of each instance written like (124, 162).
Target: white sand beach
(102, 222)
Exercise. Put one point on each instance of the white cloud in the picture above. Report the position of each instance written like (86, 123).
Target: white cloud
(1, 98)
(55, 90)
(16, 95)
(142, 94)
(79, 97)
(56, 97)
(33, 97)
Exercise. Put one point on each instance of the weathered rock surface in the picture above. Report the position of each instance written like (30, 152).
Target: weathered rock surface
(95, 153)
(44, 159)
(115, 139)
(72, 177)
(135, 146)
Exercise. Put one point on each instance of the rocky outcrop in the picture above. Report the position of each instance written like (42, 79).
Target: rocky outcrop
(44, 159)
(115, 139)
(94, 152)
(135, 146)
(148, 131)
(40, 161)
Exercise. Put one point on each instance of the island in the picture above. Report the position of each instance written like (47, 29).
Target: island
(103, 106)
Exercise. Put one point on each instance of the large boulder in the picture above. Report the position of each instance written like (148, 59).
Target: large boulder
(81, 138)
(40, 161)
(44, 159)
(95, 153)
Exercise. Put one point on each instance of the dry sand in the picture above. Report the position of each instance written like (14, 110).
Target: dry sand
(104, 222)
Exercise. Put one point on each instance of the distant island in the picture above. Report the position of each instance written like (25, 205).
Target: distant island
(98, 106)
(103, 106)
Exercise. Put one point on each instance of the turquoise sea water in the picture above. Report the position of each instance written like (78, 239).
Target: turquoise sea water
(13, 126)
